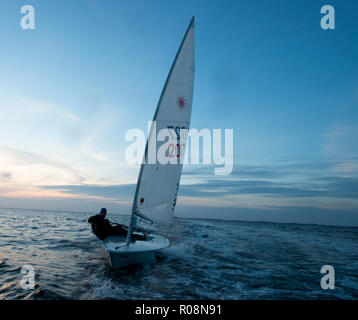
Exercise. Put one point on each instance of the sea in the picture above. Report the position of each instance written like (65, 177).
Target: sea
(207, 259)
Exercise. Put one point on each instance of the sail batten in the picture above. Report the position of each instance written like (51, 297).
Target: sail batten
(158, 184)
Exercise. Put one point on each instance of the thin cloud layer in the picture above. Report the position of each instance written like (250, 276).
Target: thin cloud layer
(266, 186)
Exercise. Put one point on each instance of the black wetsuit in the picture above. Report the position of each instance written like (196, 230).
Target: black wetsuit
(102, 228)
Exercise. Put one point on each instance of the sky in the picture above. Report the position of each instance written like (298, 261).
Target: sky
(91, 70)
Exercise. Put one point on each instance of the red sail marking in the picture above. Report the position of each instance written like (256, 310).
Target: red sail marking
(181, 102)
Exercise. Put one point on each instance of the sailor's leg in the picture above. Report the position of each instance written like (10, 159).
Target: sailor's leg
(118, 231)
(138, 237)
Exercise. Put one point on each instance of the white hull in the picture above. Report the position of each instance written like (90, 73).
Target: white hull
(139, 252)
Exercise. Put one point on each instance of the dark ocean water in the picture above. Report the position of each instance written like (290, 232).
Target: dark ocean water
(207, 259)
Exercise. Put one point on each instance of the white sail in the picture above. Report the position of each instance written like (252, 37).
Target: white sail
(157, 186)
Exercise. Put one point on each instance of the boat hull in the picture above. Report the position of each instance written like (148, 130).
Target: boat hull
(121, 255)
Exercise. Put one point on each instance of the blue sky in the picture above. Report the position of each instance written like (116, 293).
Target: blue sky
(91, 70)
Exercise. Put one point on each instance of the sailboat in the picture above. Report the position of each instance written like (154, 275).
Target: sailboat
(157, 187)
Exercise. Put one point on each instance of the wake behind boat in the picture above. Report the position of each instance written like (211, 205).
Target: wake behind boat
(158, 183)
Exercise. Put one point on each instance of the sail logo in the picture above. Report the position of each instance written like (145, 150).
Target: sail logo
(167, 145)
(181, 102)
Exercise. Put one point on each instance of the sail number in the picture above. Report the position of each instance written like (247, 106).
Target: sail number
(175, 150)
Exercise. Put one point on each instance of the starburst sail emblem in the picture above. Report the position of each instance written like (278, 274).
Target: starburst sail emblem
(181, 102)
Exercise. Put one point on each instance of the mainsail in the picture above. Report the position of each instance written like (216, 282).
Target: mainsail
(158, 183)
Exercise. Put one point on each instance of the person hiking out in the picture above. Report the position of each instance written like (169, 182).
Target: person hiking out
(103, 228)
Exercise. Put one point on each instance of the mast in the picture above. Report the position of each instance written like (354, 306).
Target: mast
(134, 206)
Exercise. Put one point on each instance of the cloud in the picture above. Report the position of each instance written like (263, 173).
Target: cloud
(325, 192)
(340, 142)
(124, 191)
(37, 107)
(26, 170)
(284, 183)
(283, 168)
(306, 182)
(326, 187)
(25, 107)
(5, 176)
(24, 157)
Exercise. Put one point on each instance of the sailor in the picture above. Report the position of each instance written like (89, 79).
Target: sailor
(103, 228)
